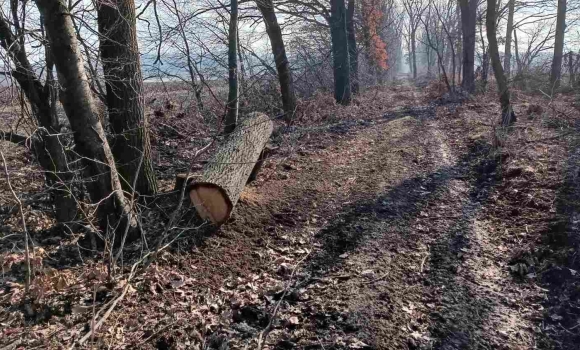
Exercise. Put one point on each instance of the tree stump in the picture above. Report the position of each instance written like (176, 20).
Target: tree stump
(217, 191)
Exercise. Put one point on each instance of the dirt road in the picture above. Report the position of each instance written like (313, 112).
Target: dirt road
(397, 229)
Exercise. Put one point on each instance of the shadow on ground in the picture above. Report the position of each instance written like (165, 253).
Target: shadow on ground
(560, 247)
(388, 221)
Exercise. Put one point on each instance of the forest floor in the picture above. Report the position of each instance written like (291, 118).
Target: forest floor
(395, 223)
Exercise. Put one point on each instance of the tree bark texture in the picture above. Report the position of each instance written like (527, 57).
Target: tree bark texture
(508, 116)
(216, 193)
(558, 45)
(352, 47)
(233, 96)
(102, 180)
(341, 64)
(572, 68)
(266, 7)
(48, 148)
(414, 52)
(125, 100)
(468, 16)
(507, 61)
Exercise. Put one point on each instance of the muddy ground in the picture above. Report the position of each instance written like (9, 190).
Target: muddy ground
(400, 222)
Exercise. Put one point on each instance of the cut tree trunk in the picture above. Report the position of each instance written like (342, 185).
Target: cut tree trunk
(261, 159)
(279, 51)
(125, 100)
(217, 191)
(180, 181)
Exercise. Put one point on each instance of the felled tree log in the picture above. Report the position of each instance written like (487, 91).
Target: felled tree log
(217, 191)
(261, 159)
(180, 181)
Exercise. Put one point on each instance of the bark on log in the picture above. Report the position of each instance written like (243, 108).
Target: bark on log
(261, 159)
(180, 181)
(216, 193)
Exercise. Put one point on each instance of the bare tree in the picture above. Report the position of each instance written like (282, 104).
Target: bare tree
(125, 100)
(468, 17)
(558, 45)
(47, 143)
(414, 9)
(341, 64)
(352, 47)
(508, 116)
(266, 7)
(507, 61)
(438, 35)
(102, 180)
(233, 96)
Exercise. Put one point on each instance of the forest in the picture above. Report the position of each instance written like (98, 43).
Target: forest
(289, 174)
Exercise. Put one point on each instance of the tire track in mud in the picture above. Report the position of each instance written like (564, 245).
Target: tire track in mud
(417, 266)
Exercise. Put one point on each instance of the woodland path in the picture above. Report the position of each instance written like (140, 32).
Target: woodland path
(408, 260)
(387, 228)
(383, 223)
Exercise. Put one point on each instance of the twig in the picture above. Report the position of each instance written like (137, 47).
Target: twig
(12, 345)
(378, 279)
(94, 314)
(423, 262)
(175, 130)
(268, 329)
(105, 316)
(551, 138)
(26, 249)
(132, 201)
(180, 203)
(157, 332)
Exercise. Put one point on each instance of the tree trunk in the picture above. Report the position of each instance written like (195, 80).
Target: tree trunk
(507, 61)
(484, 60)
(508, 116)
(233, 95)
(42, 99)
(279, 51)
(414, 52)
(558, 45)
(125, 100)
(352, 48)
(519, 68)
(102, 180)
(485, 69)
(468, 16)
(571, 68)
(216, 193)
(341, 65)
